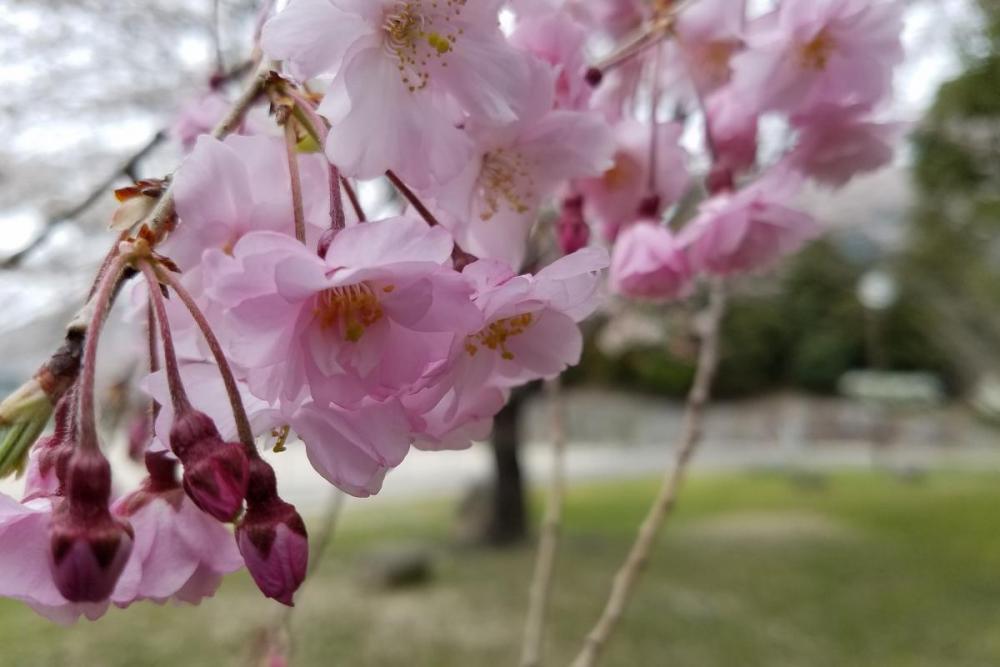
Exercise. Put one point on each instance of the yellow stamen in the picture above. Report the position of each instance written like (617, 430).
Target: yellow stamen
(351, 308)
(495, 335)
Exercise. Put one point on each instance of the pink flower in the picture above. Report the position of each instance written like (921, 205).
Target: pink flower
(26, 576)
(493, 203)
(732, 131)
(179, 551)
(201, 114)
(354, 449)
(374, 318)
(814, 51)
(226, 189)
(454, 421)
(557, 39)
(710, 33)
(530, 329)
(749, 229)
(835, 144)
(406, 74)
(614, 198)
(648, 263)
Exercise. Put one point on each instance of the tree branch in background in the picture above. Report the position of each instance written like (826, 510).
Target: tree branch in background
(127, 170)
(548, 544)
(691, 430)
(61, 369)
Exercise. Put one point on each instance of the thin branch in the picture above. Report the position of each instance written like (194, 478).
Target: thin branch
(243, 428)
(292, 156)
(353, 197)
(126, 169)
(628, 575)
(411, 197)
(548, 544)
(59, 372)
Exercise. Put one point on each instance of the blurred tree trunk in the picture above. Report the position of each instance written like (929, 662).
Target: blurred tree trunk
(506, 522)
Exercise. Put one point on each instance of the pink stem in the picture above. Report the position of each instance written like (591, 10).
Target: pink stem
(104, 295)
(178, 397)
(225, 370)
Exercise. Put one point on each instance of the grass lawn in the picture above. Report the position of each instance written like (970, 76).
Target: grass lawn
(865, 569)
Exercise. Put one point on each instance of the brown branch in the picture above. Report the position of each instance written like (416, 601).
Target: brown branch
(628, 575)
(126, 169)
(548, 544)
(411, 197)
(353, 197)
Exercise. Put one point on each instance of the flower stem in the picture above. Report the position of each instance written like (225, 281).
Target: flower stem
(548, 545)
(163, 212)
(243, 428)
(411, 197)
(103, 297)
(296, 180)
(178, 397)
(628, 574)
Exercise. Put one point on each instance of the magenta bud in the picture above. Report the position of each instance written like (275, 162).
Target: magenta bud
(720, 179)
(88, 547)
(593, 77)
(272, 538)
(649, 207)
(571, 228)
(325, 239)
(215, 471)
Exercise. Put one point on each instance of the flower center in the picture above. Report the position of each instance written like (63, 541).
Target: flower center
(816, 53)
(623, 172)
(350, 308)
(496, 334)
(416, 33)
(504, 179)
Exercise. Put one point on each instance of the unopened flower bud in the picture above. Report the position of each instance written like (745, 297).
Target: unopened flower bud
(571, 228)
(88, 547)
(215, 471)
(23, 416)
(272, 537)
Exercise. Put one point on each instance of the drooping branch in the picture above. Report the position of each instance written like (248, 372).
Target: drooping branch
(61, 369)
(548, 543)
(691, 430)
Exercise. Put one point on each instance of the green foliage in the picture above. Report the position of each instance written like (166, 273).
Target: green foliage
(804, 329)
(952, 252)
(753, 569)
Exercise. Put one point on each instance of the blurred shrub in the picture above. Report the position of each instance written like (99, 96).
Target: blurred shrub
(802, 328)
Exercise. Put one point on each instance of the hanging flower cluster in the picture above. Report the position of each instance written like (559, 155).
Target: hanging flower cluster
(278, 311)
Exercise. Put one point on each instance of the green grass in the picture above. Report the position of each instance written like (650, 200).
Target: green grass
(754, 569)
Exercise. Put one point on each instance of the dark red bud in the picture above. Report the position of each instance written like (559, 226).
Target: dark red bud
(649, 207)
(719, 179)
(572, 230)
(272, 538)
(593, 77)
(215, 471)
(88, 547)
